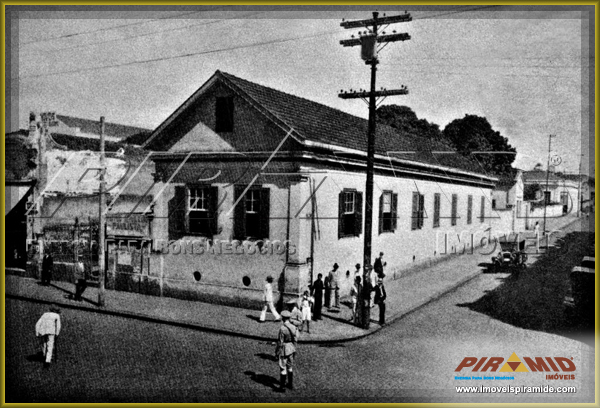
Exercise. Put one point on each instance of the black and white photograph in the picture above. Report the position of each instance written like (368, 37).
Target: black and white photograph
(299, 204)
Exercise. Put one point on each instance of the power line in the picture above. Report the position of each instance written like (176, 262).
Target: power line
(176, 56)
(111, 28)
(137, 36)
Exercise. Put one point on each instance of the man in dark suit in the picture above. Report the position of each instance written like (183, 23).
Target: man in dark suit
(318, 295)
(380, 297)
(47, 266)
(378, 266)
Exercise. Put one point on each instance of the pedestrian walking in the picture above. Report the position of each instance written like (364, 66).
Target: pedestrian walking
(47, 266)
(318, 295)
(80, 280)
(378, 266)
(380, 297)
(307, 302)
(354, 295)
(285, 352)
(268, 301)
(47, 330)
(335, 285)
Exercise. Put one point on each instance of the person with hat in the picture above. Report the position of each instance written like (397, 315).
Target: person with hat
(47, 266)
(380, 297)
(47, 330)
(334, 285)
(356, 296)
(295, 313)
(317, 289)
(287, 340)
(378, 266)
(268, 301)
(80, 279)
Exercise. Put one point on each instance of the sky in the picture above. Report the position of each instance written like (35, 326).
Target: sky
(521, 68)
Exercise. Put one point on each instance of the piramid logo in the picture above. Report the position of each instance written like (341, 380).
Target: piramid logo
(515, 364)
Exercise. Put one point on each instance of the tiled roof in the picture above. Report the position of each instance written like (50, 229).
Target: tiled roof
(320, 123)
(93, 127)
(537, 175)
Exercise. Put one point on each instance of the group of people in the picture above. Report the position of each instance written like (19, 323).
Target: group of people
(327, 293)
(78, 275)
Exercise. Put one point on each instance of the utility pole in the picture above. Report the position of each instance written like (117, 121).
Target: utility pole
(101, 219)
(546, 190)
(368, 41)
(579, 197)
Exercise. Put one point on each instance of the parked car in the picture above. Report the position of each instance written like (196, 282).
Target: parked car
(581, 293)
(512, 257)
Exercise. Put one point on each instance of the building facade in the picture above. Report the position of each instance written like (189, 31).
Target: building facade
(252, 182)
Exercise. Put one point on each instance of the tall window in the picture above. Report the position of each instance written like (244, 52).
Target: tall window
(388, 205)
(201, 210)
(350, 213)
(418, 211)
(252, 213)
(469, 209)
(453, 215)
(224, 114)
(436, 210)
(482, 210)
(547, 197)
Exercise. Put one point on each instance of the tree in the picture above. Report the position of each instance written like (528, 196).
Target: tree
(475, 134)
(405, 119)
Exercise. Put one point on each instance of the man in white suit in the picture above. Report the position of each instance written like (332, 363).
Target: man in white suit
(47, 329)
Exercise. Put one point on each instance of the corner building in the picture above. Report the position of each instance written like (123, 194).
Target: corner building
(243, 163)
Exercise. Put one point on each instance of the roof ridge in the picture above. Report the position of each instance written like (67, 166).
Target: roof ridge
(300, 97)
(97, 121)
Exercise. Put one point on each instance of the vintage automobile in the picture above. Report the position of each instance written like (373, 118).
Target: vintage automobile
(511, 258)
(581, 288)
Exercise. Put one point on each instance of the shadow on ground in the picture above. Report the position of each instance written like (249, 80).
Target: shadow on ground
(263, 379)
(534, 299)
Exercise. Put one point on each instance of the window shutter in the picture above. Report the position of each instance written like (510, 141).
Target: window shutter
(421, 210)
(341, 215)
(380, 213)
(394, 211)
(469, 209)
(454, 208)
(213, 213)
(436, 210)
(358, 223)
(415, 207)
(239, 224)
(177, 213)
(265, 212)
(482, 209)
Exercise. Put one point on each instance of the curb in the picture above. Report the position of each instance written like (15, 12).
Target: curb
(177, 323)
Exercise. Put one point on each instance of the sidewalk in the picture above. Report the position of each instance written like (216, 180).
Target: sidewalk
(404, 295)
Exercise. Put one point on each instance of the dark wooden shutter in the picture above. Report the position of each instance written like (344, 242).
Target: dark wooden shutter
(381, 213)
(469, 209)
(265, 212)
(482, 215)
(454, 208)
(239, 212)
(436, 210)
(177, 213)
(394, 211)
(415, 211)
(341, 214)
(421, 210)
(213, 213)
(358, 211)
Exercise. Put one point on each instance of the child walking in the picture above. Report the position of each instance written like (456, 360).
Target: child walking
(307, 302)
